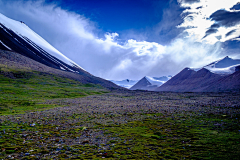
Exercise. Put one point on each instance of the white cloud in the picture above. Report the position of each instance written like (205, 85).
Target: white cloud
(145, 48)
(111, 36)
(199, 20)
(76, 37)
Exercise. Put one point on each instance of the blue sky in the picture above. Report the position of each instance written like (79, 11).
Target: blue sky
(117, 15)
(128, 39)
(127, 16)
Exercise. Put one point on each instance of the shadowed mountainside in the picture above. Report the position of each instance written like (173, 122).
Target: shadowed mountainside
(14, 60)
(227, 83)
(191, 81)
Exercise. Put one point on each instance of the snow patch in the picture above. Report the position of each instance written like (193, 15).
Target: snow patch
(5, 45)
(156, 80)
(224, 71)
(62, 68)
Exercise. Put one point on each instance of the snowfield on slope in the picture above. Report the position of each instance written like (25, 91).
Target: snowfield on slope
(223, 66)
(23, 30)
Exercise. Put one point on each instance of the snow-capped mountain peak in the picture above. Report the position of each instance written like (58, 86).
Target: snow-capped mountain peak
(28, 35)
(223, 66)
(150, 83)
(223, 63)
(154, 81)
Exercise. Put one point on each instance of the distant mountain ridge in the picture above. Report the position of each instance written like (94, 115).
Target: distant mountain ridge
(223, 63)
(127, 83)
(150, 83)
(223, 66)
(143, 84)
(210, 78)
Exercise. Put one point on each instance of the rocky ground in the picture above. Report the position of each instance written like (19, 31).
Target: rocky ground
(127, 125)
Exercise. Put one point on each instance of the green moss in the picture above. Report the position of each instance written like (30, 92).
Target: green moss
(167, 138)
(29, 90)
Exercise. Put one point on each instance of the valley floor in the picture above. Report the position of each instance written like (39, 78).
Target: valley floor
(127, 125)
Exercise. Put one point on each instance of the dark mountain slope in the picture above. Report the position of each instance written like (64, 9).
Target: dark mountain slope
(227, 83)
(201, 79)
(15, 60)
(182, 76)
(237, 68)
(177, 82)
(190, 81)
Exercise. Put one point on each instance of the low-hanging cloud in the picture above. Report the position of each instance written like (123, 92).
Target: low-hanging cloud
(77, 37)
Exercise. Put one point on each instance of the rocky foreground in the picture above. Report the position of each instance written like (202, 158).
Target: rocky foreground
(127, 125)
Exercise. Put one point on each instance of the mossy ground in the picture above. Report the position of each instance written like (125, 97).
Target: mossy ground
(177, 137)
(48, 117)
(156, 136)
(28, 90)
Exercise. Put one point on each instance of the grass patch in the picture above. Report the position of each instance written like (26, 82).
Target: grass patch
(27, 91)
(180, 138)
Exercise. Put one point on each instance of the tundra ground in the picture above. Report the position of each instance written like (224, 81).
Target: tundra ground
(47, 117)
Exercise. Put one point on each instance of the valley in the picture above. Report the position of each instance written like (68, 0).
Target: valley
(46, 113)
(52, 108)
(67, 120)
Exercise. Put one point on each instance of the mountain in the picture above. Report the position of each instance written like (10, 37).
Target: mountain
(23, 43)
(189, 80)
(17, 36)
(227, 83)
(158, 81)
(237, 68)
(125, 83)
(150, 83)
(223, 63)
(143, 84)
(223, 66)
(220, 75)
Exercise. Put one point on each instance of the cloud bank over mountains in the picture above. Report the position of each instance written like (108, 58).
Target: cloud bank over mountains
(205, 26)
